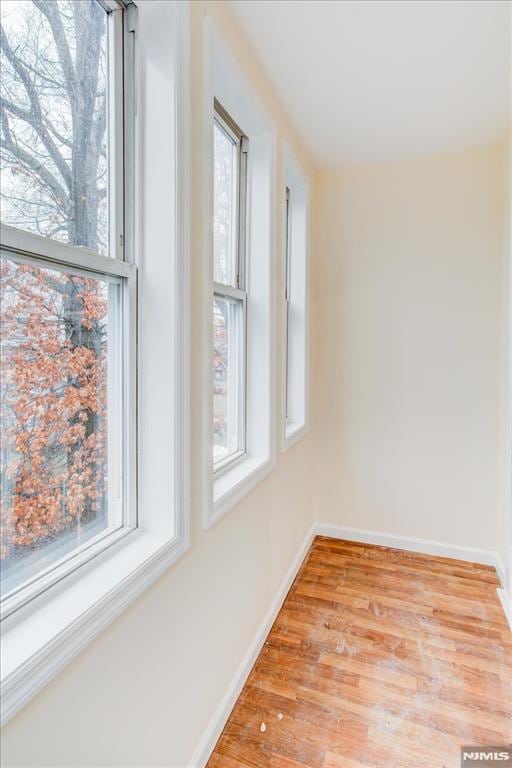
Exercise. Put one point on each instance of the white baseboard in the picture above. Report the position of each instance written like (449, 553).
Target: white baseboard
(217, 723)
(424, 546)
(506, 603)
(500, 569)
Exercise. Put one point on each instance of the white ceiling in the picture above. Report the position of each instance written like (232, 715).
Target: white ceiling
(372, 80)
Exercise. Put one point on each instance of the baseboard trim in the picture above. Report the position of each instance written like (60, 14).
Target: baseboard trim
(217, 723)
(423, 546)
(506, 604)
(500, 569)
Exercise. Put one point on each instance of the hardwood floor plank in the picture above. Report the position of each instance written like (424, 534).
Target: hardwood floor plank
(379, 658)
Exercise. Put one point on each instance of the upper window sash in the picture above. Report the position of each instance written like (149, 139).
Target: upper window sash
(120, 24)
(121, 29)
(241, 142)
(115, 106)
(242, 216)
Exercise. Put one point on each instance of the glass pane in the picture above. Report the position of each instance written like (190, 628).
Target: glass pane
(54, 120)
(225, 152)
(228, 377)
(57, 369)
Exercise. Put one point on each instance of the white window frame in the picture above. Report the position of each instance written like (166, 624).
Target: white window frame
(295, 250)
(236, 290)
(24, 246)
(40, 638)
(225, 82)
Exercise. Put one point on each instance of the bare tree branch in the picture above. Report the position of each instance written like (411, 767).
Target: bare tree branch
(37, 122)
(51, 11)
(31, 163)
(63, 140)
(15, 110)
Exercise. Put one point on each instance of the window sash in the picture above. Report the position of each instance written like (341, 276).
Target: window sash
(115, 116)
(236, 135)
(120, 19)
(231, 277)
(237, 351)
(120, 468)
(287, 297)
(121, 26)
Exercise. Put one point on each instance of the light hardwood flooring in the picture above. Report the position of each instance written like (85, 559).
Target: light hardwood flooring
(379, 658)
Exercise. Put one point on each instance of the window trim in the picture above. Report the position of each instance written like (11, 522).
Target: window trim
(225, 81)
(295, 195)
(38, 643)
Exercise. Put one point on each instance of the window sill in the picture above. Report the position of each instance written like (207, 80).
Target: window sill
(234, 483)
(293, 432)
(38, 642)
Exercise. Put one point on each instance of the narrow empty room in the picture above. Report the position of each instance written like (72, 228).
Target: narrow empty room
(256, 383)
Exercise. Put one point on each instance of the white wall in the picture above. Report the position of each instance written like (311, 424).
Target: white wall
(507, 451)
(505, 532)
(144, 691)
(408, 285)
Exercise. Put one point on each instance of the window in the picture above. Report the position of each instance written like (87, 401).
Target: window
(239, 154)
(230, 299)
(94, 345)
(295, 358)
(65, 292)
(287, 293)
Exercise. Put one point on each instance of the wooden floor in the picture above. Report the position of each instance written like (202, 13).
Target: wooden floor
(380, 658)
